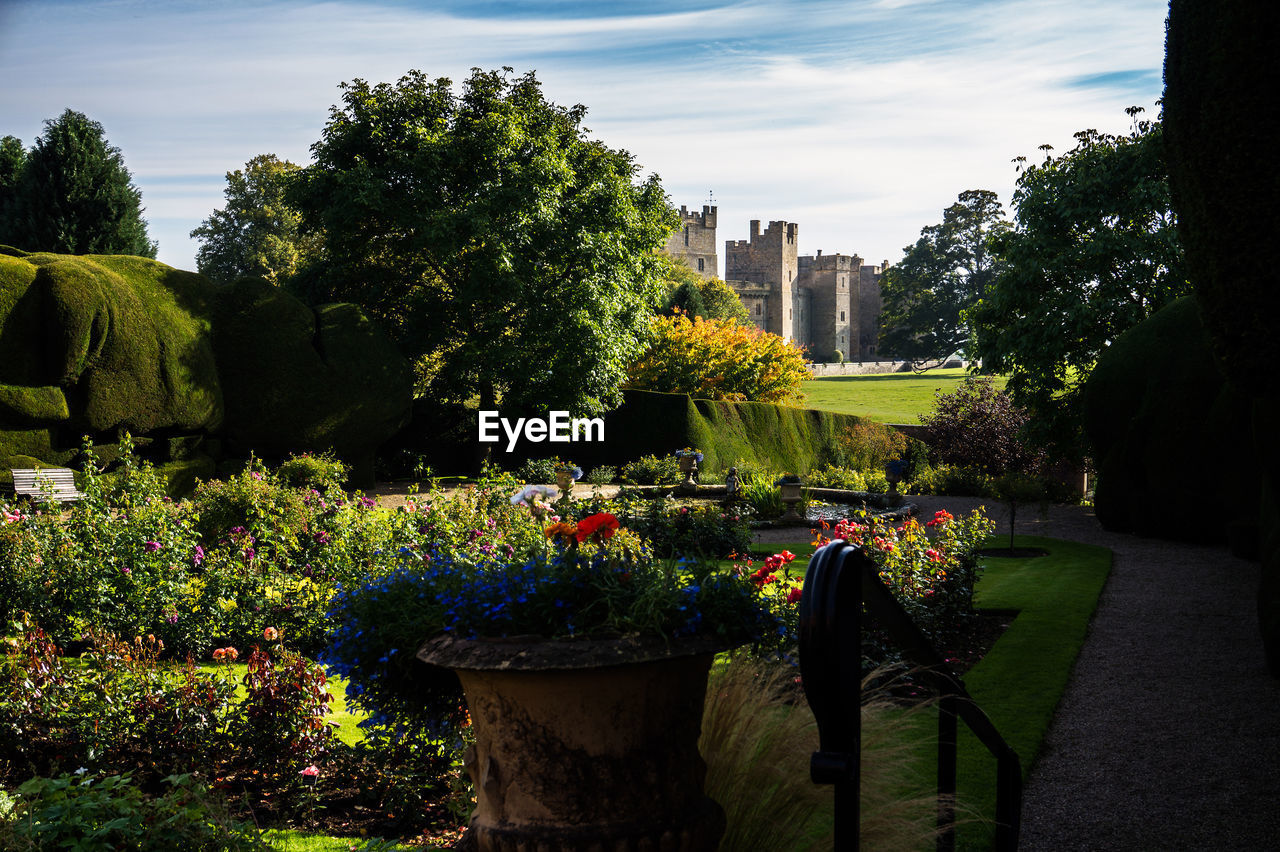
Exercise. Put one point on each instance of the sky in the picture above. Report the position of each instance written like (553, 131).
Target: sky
(859, 120)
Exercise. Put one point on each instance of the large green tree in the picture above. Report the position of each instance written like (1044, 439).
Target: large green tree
(944, 273)
(694, 295)
(73, 194)
(12, 158)
(257, 233)
(514, 257)
(1094, 252)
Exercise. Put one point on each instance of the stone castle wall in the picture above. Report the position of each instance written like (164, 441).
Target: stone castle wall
(695, 241)
(768, 258)
(823, 302)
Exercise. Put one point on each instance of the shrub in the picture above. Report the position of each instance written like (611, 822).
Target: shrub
(719, 359)
(675, 531)
(112, 812)
(869, 446)
(539, 470)
(952, 480)
(832, 476)
(652, 470)
(978, 426)
(762, 496)
(930, 568)
(601, 475)
(322, 472)
(281, 722)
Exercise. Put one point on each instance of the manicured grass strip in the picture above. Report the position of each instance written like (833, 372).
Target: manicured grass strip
(1021, 679)
(887, 398)
(288, 840)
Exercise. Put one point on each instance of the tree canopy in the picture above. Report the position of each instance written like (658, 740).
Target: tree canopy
(71, 193)
(1094, 251)
(719, 359)
(693, 295)
(512, 256)
(256, 234)
(942, 275)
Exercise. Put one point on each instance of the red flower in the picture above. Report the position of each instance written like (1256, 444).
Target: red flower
(600, 526)
(793, 596)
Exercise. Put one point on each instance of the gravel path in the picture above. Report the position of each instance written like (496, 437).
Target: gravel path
(1168, 736)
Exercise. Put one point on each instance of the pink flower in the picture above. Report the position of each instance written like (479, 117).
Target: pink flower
(152, 546)
(310, 772)
(270, 634)
(197, 555)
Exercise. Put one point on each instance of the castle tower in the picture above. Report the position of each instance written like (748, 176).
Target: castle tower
(831, 280)
(868, 310)
(767, 260)
(695, 241)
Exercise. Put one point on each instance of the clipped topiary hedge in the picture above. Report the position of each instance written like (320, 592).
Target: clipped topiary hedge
(1220, 125)
(100, 345)
(777, 437)
(1170, 440)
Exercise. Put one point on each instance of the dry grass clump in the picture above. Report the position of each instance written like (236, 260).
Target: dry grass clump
(757, 736)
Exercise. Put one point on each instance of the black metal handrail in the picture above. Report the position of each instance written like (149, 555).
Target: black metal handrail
(841, 578)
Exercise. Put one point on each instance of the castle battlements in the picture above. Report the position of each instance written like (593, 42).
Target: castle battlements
(829, 303)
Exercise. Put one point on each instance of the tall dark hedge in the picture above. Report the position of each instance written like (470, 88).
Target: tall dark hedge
(1170, 439)
(1221, 127)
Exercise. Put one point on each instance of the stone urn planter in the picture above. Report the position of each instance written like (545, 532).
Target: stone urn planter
(585, 744)
(564, 481)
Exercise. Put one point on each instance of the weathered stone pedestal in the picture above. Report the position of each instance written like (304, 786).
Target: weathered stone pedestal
(585, 745)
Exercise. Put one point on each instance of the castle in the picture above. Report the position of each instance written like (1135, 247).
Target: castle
(824, 302)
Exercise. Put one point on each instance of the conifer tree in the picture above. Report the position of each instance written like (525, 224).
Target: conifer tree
(72, 194)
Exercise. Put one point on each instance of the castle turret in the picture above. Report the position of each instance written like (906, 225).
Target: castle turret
(695, 241)
(769, 260)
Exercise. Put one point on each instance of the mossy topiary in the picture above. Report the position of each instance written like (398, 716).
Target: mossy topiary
(101, 345)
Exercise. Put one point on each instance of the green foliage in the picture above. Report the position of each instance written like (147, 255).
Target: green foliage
(761, 495)
(321, 472)
(690, 531)
(256, 234)
(1167, 435)
(835, 476)
(951, 480)
(652, 470)
(869, 446)
(709, 298)
(601, 475)
(112, 812)
(1219, 80)
(1094, 252)
(509, 255)
(939, 278)
(72, 193)
(322, 379)
(538, 470)
(719, 359)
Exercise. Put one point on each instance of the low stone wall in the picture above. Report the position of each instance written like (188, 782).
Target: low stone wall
(868, 368)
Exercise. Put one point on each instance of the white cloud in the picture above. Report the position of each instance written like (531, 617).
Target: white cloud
(861, 121)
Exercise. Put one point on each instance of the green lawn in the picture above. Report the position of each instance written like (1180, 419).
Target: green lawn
(888, 398)
(1020, 681)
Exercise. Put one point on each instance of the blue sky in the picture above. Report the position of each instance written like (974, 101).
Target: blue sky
(859, 120)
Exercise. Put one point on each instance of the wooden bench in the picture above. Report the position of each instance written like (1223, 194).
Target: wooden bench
(48, 483)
